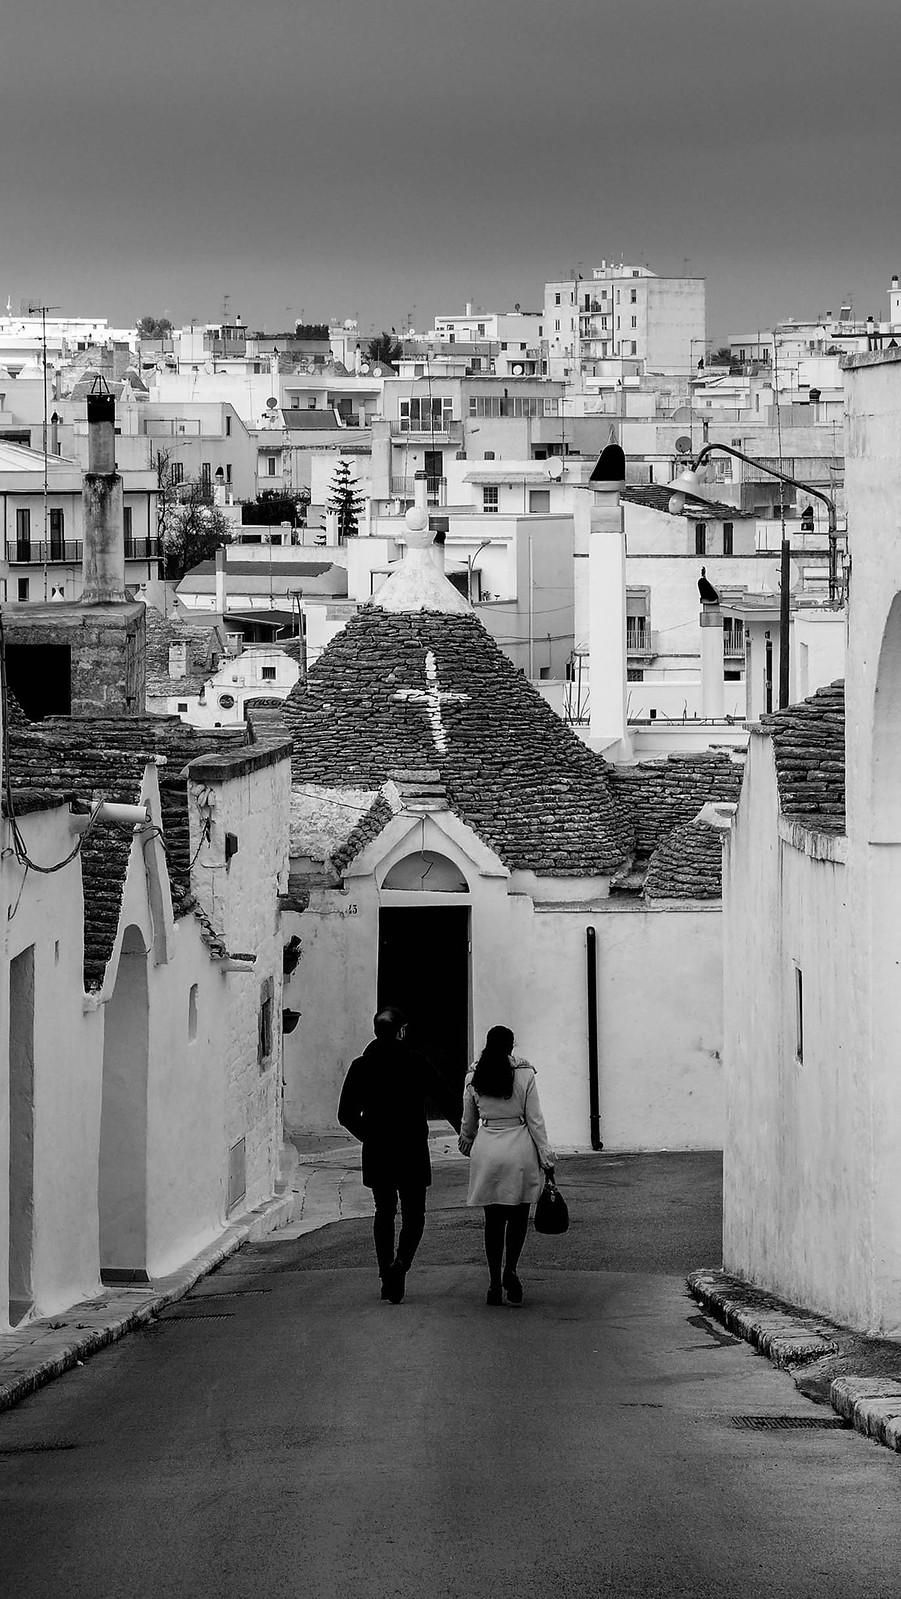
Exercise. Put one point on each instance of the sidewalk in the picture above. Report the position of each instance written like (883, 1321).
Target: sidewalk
(859, 1377)
(325, 1188)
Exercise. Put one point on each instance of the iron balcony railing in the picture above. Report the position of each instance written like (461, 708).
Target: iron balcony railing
(638, 640)
(38, 552)
(31, 552)
(404, 488)
(142, 549)
(439, 427)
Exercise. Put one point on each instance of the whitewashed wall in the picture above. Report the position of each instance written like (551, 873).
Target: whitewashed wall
(67, 1056)
(797, 1162)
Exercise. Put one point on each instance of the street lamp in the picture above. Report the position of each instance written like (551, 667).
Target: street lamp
(469, 561)
(689, 482)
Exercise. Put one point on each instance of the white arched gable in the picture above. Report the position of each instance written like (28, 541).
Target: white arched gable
(885, 787)
(427, 872)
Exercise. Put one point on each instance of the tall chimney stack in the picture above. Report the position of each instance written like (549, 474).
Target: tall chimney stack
(103, 562)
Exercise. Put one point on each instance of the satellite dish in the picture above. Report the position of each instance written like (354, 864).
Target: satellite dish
(555, 467)
(683, 445)
(517, 371)
(795, 578)
(272, 403)
(364, 368)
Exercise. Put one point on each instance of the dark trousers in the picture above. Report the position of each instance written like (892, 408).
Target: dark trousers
(412, 1222)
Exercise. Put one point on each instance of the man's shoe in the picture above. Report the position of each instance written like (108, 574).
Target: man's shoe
(494, 1296)
(513, 1288)
(395, 1282)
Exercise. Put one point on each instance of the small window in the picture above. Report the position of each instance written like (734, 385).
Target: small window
(727, 538)
(270, 465)
(177, 473)
(490, 497)
(799, 1015)
(557, 302)
(126, 523)
(268, 672)
(264, 1030)
(635, 322)
(633, 296)
(700, 538)
(22, 588)
(539, 499)
(228, 425)
(192, 1013)
(634, 674)
(182, 705)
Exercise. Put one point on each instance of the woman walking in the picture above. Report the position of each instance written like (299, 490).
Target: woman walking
(503, 1133)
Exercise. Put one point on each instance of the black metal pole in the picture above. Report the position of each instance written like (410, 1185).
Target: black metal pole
(784, 623)
(594, 1097)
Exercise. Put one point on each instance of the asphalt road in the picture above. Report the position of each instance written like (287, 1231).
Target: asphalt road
(282, 1432)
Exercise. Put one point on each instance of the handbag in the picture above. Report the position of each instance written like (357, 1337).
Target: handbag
(551, 1210)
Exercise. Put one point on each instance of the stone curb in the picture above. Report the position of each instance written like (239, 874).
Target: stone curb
(872, 1405)
(788, 1338)
(251, 1227)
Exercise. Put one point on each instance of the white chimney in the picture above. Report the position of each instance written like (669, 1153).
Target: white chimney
(221, 586)
(713, 691)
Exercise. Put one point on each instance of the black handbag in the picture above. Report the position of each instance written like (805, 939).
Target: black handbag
(551, 1210)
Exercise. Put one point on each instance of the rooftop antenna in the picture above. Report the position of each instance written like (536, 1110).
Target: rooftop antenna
(33, 311)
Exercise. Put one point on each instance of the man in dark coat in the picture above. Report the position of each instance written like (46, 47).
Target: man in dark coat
(383, 1103)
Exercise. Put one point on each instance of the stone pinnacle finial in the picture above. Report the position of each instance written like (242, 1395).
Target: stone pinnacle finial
(417, 584)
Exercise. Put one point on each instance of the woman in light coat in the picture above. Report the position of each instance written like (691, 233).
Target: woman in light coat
(503, 1133)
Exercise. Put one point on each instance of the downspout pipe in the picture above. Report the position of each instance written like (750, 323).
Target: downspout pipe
(594, 1095)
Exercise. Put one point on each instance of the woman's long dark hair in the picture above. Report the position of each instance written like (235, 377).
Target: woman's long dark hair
(494, 1069)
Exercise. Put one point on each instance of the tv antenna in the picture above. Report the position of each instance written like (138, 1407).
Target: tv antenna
(33, 310)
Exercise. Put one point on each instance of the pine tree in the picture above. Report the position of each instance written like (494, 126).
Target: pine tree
(345, 502)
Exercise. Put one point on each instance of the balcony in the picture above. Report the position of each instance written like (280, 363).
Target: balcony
(638, 639)
(61, 552)
(442, 430)
(142, 549)
(404, 488)
(37, 552)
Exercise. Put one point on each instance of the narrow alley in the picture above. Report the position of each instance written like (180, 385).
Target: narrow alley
(281, 1431)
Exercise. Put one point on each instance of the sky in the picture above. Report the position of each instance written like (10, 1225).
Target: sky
(391, 159)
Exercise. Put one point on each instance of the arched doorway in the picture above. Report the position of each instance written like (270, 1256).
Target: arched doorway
(122, 1178)
(424, 957)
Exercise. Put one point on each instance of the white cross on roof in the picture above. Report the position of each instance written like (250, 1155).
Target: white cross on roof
(432, 697)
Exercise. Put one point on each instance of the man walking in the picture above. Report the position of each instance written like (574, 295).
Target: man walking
(383, 1103)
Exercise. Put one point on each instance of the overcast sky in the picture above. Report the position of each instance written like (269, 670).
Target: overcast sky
(392, 158)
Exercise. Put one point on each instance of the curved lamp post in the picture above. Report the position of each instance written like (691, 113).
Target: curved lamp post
(689, 482)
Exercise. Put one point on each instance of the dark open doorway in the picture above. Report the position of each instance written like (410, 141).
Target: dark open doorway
(40, 676)
(424, 969)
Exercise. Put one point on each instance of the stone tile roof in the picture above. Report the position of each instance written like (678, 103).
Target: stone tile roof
(204, 646)
(511, 769)
(809, 752)
(662, 795)
(105, 758)
(656, 496)
(688, 864)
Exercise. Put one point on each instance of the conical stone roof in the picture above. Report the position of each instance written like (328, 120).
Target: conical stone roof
(430, 690)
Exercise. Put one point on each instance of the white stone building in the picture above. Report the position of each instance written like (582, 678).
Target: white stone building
(812, 945)
(460, 852)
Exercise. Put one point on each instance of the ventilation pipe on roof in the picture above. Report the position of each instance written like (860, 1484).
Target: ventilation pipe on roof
(594, 1093)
